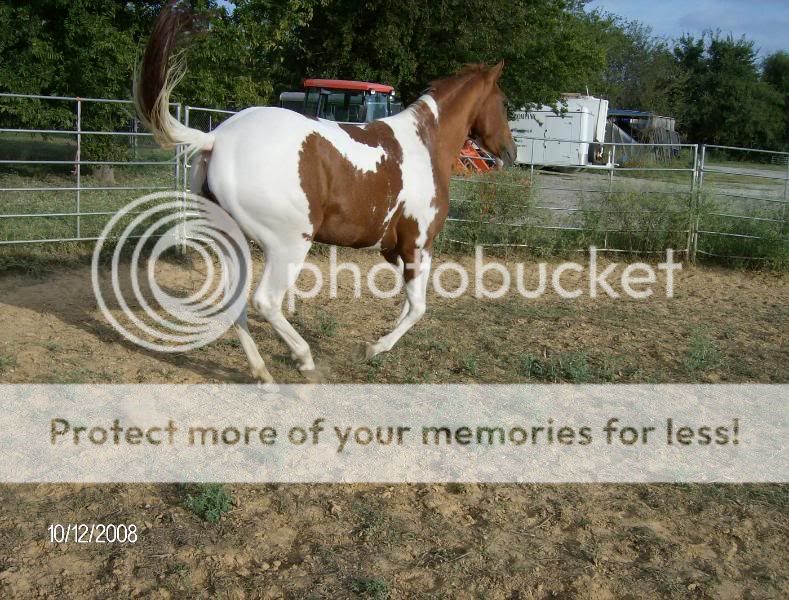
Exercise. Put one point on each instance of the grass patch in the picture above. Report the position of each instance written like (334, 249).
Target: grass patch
(735, 232)
(501, 210)
(373, 526)
(470, 366)
(209, 502)
(571, 366)
(375, 588)
(567, 367)
(7, 362)
(327, 324)
(703, 354)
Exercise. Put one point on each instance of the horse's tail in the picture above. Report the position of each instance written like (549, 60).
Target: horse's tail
(158, 74)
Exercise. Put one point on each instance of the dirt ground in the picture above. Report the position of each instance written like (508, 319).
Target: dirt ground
(414, 541)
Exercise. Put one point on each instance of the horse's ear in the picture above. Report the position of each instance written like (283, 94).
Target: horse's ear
(495, 70)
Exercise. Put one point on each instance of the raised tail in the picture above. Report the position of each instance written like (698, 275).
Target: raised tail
(161, 69)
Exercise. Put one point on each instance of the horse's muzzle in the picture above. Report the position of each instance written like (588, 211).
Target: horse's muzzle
(508, 156)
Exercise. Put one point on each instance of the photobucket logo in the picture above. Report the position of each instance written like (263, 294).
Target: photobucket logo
(490, 279)
(164, 321)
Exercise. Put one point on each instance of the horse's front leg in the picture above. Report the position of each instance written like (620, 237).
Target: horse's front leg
(417, 275)
(394, 259)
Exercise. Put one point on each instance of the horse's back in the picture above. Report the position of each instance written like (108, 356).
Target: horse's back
(336, 183)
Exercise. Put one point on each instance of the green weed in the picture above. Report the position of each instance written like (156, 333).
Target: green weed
(210, 502)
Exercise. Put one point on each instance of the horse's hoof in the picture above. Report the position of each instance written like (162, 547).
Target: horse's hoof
(315, 375)
(359, 352)
(365, 351)
(262, 375)
(269, 388)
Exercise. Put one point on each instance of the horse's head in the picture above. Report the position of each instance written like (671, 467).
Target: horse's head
(491, 128)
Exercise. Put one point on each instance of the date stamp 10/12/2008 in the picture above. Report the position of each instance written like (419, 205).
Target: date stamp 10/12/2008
(92, 533)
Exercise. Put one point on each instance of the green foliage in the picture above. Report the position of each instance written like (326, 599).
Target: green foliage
(638, 222)
(703, 354)
(7, 362)
(250, 50)
(570, 367)
(753, 237)
(775, 71)
(210, 502)
(726, 101)
(640, 72)
(327, 324)
(408, 43)
(375, 588)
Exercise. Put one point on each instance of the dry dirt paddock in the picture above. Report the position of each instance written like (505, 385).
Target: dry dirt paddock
(414, 541)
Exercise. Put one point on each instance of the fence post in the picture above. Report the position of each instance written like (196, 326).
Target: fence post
(531, 166)
(78, 166)
(695, 212)
(691, 199)
(183, 187)
(611, 168)
(177, 167)
(786, 197)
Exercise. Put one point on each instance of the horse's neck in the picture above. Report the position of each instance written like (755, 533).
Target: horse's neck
(456, 111)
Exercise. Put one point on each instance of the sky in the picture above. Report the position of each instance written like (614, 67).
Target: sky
(766, 22)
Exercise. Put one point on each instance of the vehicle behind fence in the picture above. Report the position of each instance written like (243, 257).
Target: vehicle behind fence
(68, 164)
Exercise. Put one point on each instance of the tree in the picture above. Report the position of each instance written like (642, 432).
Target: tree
(407, 43)
(726, 101)
(775, 71)
(640, 72)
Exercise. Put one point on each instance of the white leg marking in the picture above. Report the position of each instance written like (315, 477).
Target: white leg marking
(258, 366)
(259, 370)
(283, 264)
(416, 292)
(403, 311)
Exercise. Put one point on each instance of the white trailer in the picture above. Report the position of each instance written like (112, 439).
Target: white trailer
(569, 134)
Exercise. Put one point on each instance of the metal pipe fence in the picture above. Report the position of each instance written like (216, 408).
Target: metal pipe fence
(626, 198)
(77, 162)
(582, 200)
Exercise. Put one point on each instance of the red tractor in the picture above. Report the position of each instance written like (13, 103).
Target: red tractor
(343, 101)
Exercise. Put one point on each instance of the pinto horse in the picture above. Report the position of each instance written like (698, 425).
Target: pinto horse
(289, 180)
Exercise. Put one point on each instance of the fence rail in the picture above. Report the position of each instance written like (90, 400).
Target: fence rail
(696, 197)
(19, 204)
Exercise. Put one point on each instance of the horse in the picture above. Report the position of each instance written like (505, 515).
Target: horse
(290, 180)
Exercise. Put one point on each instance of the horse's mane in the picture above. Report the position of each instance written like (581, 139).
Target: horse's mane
(471, 69)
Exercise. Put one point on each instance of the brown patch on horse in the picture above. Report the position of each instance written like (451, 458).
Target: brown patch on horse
(348, 206)
(360, 134)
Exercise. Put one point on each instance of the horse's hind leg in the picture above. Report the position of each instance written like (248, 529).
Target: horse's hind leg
(417, 273)
(258, 366)
(259, 370)
(283, 264)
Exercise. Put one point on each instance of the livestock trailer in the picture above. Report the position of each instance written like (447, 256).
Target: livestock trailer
(569, 134)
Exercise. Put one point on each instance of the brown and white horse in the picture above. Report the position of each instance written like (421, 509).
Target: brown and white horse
(289, 180)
